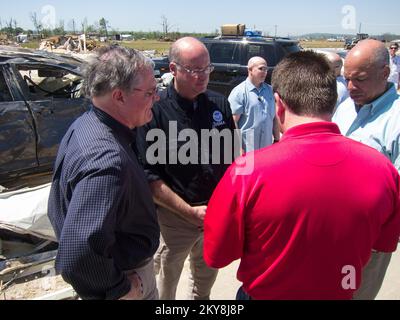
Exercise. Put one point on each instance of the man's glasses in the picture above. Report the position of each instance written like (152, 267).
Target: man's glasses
(393, 48)
(197, 72)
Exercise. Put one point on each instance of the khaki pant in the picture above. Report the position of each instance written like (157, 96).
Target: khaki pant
(147, 279)
(372, 276)
(179, 239)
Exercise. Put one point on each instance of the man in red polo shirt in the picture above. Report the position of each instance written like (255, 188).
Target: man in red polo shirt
(305, 221)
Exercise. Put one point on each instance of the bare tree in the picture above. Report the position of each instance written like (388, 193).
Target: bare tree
(103, 24)
(9, 27)
(72, 26)
(60, 29)
(166, 26)
(36, 23)
(84, 25)
(15, 24)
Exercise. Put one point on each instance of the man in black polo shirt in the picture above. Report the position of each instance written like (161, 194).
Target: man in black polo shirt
(180, 166)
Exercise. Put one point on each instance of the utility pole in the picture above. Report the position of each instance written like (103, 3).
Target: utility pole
(276, 30)
(359, 30)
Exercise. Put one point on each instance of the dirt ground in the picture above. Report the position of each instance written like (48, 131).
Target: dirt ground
(34, 289)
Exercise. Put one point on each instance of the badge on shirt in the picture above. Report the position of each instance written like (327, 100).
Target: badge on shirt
(218, 119)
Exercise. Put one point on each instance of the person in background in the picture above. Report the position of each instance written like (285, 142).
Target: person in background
(305, 220)
(337, 64)
(100, 204)
(371, 116)
(182, 187)
(253, 108)
(394, 75)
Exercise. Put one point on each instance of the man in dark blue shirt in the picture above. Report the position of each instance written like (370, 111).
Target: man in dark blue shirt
(100, 204)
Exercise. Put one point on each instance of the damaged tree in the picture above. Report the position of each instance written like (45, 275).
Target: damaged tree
(103, 24)
(36, 23)
(166, 26)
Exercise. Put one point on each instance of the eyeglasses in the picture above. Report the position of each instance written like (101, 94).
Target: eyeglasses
(393, 48)
(197, 72)
(147, 93)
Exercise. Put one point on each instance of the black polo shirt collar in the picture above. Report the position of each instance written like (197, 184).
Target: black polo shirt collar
(182, 103)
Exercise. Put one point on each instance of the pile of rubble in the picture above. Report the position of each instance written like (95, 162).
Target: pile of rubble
(4, 41)
(68, 43)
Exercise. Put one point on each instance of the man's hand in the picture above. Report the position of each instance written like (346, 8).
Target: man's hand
(136, 291)
(197, 215)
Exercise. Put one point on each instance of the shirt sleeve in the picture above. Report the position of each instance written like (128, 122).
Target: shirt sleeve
(395, 152)
(223, 223)
(85, 244)
(271, 102)
(236, 101)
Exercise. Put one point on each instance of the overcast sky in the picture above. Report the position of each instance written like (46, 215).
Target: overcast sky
(286, 16)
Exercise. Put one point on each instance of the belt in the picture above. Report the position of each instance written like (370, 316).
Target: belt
(139, 264)
(197, 204)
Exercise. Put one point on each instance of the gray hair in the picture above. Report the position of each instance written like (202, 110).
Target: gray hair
(114, 67)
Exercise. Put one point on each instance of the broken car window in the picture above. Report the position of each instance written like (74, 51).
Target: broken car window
(53, 82)
(4, 91)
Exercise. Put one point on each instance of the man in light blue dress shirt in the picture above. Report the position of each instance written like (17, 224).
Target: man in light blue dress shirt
(372, 116)
(337, 64)
(253, 108)
(394, 65)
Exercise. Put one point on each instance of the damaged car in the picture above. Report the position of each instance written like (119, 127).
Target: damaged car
(40, 96)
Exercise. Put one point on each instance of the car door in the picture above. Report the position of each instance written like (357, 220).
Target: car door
(17, 132)
(54, 96)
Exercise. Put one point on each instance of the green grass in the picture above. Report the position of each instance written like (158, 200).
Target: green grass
(321, 44)
(161, 47)
(31, 45)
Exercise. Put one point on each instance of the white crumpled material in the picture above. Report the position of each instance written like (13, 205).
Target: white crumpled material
(24, 211)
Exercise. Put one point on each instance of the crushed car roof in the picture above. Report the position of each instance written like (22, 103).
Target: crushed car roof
(20, 55)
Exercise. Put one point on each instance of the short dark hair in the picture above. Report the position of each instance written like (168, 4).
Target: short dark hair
(306, 83)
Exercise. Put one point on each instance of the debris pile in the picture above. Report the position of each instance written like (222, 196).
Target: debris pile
(4, 41)
(68, 43)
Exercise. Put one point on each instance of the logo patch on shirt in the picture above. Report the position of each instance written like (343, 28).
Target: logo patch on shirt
(218, 119)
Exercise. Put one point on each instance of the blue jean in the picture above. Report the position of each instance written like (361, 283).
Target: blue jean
(242, 295)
